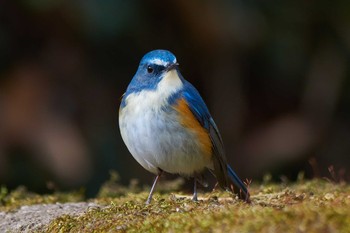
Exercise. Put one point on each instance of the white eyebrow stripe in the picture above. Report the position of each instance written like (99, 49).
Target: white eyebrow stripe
(160, 62)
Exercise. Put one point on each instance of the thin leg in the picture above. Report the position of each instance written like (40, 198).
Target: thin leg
(195, 198)
(149, 199)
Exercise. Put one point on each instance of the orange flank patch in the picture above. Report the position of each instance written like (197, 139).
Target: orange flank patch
(189, 121)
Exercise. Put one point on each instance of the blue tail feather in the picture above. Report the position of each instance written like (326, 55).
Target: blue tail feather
(238, 183)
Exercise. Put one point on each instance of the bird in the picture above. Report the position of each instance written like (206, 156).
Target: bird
(167, 127)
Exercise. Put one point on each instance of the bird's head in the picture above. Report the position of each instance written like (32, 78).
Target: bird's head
(154, 66)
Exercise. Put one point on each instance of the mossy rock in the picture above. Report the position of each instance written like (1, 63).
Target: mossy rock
(310, 206)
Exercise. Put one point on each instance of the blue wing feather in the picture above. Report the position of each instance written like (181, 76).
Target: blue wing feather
(222, 170)
(197, 105)
(201, 112)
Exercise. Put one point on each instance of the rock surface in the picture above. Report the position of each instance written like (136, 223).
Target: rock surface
(37, 217)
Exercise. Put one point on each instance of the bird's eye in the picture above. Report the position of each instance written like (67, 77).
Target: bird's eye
(149, 69)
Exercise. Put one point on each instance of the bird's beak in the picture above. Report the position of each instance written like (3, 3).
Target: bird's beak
(172, 66)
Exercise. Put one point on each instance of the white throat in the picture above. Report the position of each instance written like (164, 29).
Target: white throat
(155, 99)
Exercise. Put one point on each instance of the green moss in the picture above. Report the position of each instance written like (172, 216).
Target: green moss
(313, 206)
(304, 206)
(21, 196)
(112, 188)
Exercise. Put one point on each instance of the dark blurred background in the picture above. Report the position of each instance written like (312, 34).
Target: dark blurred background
(273, 73)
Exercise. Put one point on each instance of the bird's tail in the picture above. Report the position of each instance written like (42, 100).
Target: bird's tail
(243, 191)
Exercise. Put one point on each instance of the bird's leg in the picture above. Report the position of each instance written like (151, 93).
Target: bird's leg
(149, 199)
(194, 198)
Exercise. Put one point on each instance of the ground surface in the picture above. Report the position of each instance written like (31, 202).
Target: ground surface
(306, 206)
(37, 217)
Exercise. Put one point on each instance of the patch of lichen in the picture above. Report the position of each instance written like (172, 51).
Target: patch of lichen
(310, 206)
(21, 196)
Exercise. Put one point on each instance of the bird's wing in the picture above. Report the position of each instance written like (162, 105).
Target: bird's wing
(201, 112)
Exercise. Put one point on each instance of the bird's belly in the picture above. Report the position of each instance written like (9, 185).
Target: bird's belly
(158, 140)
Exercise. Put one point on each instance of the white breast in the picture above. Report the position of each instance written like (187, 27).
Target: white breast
(154, 135)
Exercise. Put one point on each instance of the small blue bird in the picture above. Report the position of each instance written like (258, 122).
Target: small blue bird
(167, 127)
